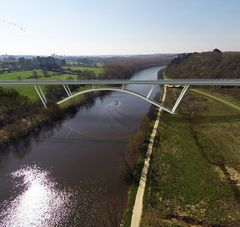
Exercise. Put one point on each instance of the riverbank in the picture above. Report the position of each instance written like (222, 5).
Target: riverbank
(14, 133)
(194, 176)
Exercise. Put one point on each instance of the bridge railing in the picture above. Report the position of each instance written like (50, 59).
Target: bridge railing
(193, 82)
(185, 83)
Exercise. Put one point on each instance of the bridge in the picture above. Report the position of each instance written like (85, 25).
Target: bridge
(185, 83)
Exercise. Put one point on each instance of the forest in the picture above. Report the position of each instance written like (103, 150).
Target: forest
(206, 65)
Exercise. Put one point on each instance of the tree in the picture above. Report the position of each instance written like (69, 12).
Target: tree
(45, 73)
(35, 74)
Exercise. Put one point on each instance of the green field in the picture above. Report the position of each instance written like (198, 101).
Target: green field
(195, 171)
(96, 70)
(21, 75)
(29, 90)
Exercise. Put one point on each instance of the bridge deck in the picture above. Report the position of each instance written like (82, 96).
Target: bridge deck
(199, 82)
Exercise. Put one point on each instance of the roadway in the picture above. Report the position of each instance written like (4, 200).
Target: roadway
(174, 82)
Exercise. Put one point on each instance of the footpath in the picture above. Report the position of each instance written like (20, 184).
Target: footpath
(138, 206)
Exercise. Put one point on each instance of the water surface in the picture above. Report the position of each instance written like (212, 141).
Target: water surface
(73, 174)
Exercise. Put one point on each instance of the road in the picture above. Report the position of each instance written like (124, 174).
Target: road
(194, 82)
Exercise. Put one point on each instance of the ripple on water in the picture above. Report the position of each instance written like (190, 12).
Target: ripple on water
(40, 202)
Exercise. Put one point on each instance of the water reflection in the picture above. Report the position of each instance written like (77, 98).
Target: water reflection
(82, 132)
(39, 202)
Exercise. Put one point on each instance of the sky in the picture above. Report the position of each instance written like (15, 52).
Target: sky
(118, 27)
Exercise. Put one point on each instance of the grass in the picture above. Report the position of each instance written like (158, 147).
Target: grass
(22, 74)
(96, 70)
(194, 176)
(29, 90)
(228, 100)
(77, 99)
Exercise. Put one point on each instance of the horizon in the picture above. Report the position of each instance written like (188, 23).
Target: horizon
(108, 28)
(113, 55)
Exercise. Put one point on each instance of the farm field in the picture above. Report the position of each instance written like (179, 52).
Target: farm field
(96, 70)
(29, 90)
(195, 176)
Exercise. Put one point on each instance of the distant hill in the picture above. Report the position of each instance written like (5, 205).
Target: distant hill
(215, 64)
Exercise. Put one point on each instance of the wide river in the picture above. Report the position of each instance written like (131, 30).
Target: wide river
(74, 173)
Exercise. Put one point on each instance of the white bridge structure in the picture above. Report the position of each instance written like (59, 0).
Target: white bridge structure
(120, 86)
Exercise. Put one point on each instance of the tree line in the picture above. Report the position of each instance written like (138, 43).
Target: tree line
(207, 65)
(126, 67)
(44, 63)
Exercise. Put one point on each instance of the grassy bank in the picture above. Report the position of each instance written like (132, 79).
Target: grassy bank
(194, 178)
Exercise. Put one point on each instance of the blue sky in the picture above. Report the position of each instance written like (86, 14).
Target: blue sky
(106, 27)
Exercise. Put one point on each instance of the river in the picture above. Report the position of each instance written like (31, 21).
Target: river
(73, 174)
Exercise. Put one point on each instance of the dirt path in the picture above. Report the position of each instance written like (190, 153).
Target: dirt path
(138, 206)
(218, 99)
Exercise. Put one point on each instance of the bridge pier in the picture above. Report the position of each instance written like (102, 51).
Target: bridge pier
(150, 92)
(41, 95)
(185, 88)
(67, 89)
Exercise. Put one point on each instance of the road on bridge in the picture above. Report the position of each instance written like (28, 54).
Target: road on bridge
(194, 82)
